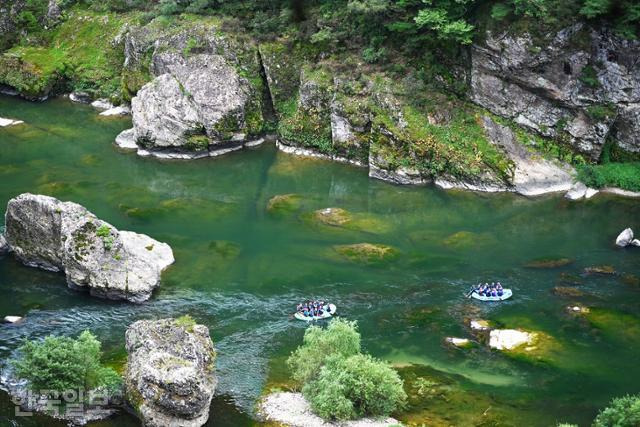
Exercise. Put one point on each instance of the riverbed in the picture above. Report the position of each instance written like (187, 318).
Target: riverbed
(240, 269)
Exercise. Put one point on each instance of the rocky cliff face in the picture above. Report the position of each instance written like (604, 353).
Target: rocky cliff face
(581, 86)
(63, 236)
(206, 93)
(170, 376)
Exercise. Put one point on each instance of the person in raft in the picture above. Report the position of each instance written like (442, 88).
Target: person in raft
(311, 308)
(493, 290)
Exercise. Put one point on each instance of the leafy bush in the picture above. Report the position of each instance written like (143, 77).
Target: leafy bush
(355, 387)
(63, 363)
(621, 412)
(340, 382)
(622, 175)
(341, 338)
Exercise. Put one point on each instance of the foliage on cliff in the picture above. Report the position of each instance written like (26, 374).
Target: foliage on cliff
(339, 381)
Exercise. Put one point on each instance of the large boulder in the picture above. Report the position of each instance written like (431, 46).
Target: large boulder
(206, 94)
(580, 85)
(63, 236)
(170, 376)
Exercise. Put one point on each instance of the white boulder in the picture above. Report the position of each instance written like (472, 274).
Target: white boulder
(120, 110)
(508, 339)
(12, 319)
(625, 238)
(102, 104)
(9, 122)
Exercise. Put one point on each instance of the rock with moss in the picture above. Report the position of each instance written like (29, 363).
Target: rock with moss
(549, 262)
(342, 219)
(170, 374)
(367, 253)
(46, 233)
(282, 204)
(579, 84)
(206, 95)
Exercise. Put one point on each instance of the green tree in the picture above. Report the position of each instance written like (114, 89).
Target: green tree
(341, 338)
(621, 412)
(355, 387)
(340, 382)
(63, 363)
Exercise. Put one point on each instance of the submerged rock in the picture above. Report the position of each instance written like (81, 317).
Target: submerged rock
(549, 262)
(284, 203)
(366, 252)
(63, 236)
(601, 269)
(170, 377)
(509, 339)
(292, 409)
(567, 291)
(336, 217)
(458, 342)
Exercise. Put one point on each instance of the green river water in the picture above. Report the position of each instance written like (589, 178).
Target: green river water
(240, 270)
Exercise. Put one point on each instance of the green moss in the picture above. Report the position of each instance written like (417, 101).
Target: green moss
(601, 112)
(589, 76)
(367, 253)
(80, 50)
(186, 321)
(197, 142)
(549, 262)
(283, 204)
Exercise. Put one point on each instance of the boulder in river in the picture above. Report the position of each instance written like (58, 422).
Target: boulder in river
(509, 339)
(170, 376)
(625, 238)
(9, 122)
(63, 236)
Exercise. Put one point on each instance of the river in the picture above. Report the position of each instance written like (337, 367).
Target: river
(240, 270)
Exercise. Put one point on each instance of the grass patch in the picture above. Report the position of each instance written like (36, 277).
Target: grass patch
(621, 175)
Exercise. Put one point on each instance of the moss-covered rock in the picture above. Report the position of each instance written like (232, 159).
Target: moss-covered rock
(342, 219)
(283, 204)
(549, 262)
(620, 327)
(567, 291)
(601, 270)
(83, 53)
(366, 253)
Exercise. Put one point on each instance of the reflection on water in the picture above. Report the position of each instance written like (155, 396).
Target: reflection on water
(240, 270)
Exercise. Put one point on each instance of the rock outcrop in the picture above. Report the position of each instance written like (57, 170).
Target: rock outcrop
(46, 233)
(206, 94)
(170, 376)
(582, 85)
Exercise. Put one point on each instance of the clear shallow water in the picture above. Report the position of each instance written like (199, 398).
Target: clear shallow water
(240, 270)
